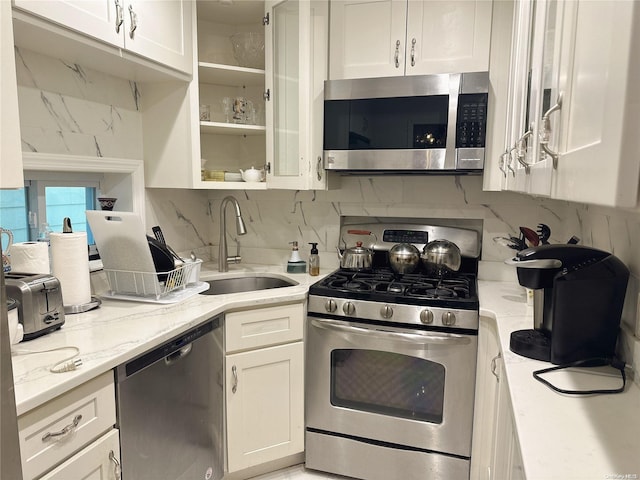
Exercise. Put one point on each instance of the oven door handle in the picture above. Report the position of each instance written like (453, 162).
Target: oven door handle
(415, 337)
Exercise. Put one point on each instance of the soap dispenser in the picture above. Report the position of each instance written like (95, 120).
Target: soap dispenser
(295, 263)
(314, 260)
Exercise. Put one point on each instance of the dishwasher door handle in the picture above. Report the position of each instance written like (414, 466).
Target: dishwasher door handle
(178, 354)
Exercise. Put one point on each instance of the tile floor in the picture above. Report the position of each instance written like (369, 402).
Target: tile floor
(298, 472)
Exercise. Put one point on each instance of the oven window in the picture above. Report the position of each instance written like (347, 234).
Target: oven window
(386, 123)
(387, 383)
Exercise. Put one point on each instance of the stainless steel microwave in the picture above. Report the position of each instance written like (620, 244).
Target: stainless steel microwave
(425, 123)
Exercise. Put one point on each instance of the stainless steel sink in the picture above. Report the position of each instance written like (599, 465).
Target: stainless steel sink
(246, 284)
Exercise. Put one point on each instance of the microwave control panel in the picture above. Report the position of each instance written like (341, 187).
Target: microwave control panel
(471, 126)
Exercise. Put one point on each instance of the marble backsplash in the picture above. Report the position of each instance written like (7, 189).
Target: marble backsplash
(67, 109)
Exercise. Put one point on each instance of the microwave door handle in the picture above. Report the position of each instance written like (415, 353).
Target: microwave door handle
(417, 337)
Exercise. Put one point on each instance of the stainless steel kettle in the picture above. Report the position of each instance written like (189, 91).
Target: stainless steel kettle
(356, 258)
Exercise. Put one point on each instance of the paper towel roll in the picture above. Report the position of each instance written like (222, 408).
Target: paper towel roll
(70, 264)
(30, 257)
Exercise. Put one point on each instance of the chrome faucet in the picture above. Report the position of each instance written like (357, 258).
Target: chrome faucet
(223, 258)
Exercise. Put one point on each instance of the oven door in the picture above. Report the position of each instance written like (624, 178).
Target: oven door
(401, 386)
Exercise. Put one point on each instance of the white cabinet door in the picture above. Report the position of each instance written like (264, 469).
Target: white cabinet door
(10, 149)
(385, 38)
(485, 400)
(367, 38)
(160, 31)
(599, 120)
(507, 459)
(445, 36)
(98, 461)
(264, 405)
(96, 18)
(295, 48)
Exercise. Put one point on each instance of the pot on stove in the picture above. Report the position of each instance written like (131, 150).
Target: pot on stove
(356, 258)
(404, 258)
(441, 257)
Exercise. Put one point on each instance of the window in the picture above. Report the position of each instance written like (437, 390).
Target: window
(48, 201)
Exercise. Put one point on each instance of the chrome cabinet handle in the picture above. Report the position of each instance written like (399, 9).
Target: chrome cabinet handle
(319, 168)
(521, 149)
(502, 161)
(545, 132)
(267, 95)
(64, 432)
(119, 16)
(117, 471)
(509, 166)
(413, 52)
(134, 21)
(234, 372)
(494, 366)
(397, 56)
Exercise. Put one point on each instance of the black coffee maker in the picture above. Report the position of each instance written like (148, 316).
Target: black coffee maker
(578, 298)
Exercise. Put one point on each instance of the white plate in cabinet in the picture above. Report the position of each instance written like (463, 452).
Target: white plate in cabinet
(51, 433)
(101, 459)
(220, 128)
(229, 75)
(263, 327)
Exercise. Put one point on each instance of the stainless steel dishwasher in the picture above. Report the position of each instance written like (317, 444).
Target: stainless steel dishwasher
(170, 409)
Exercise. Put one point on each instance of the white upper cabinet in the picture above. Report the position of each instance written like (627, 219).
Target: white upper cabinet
(10, 149)
(158, 31)
(296, 52)
(574, 115)
(382, 38)
(597, 141)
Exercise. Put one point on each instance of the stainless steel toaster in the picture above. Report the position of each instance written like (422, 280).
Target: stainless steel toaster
(40, 309)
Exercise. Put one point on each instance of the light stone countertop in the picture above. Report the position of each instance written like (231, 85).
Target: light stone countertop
(563, 436)
(560, 436)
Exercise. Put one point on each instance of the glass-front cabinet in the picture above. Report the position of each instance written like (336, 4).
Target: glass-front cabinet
(296, 51)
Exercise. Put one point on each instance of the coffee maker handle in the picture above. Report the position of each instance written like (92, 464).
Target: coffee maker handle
(541, 263)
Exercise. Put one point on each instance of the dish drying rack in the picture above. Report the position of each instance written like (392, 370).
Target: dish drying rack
(150, 284)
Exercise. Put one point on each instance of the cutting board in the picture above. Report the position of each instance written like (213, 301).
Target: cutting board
(122, 244)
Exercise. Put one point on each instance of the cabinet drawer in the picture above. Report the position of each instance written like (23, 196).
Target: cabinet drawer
(84, 413)
(100, 459)
(263, 327)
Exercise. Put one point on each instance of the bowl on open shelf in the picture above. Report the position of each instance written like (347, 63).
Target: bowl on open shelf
(248, 49)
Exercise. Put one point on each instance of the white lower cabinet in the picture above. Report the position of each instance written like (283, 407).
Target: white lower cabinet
(264, 385)
(100, 460)
(59, 430)
(495, 453)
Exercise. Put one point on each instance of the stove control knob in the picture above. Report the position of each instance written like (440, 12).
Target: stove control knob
(386, 312)
(330, 305)
(349, 308)
(426, 316)
(448, 319)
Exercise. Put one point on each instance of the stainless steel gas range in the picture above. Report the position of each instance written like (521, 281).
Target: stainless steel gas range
(391, 360)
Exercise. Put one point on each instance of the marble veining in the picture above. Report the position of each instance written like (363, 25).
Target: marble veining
(69, 109)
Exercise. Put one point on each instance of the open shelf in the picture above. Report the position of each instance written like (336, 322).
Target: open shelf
(222, 128)
(230, 75)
